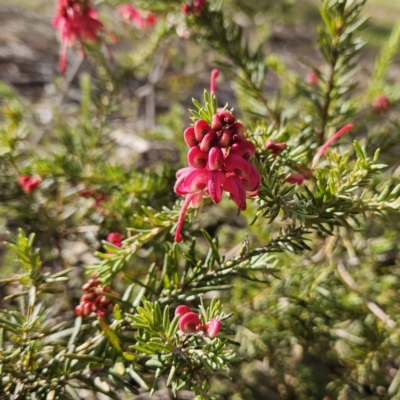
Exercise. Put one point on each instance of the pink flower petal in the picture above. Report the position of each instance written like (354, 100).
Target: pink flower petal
(237, 164)
(212, 328)
(234, 186)
(215, 181)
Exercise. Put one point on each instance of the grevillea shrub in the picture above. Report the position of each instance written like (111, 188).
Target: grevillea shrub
(246, 248)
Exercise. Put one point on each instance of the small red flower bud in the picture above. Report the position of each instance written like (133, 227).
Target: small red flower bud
(185, 8)
(87, 297)
(312, 78)
(238, 132)
(86, 309)
(114, 238)
(215, 158)
(210, 139)
(245, 149)
(381, 104)
(226, 117)
(216, 123)
(189, 322)
(226, 138)
(197, 158)
(296, 179)
(189, 137)
(180, 310)
(78, 310)
(212, 328)
(200, 129)
(275, 147)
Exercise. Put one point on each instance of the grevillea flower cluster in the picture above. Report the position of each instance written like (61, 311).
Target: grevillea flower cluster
(29, 183)
(189, 322)
(131, 15)
(93, 301)
(76, 21)
(218, 159)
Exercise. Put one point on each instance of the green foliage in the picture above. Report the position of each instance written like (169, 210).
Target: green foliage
(307, 293)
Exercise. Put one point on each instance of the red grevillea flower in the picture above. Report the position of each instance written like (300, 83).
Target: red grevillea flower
(76, 21)
(131, 14)
(29, 183)
(114, 238)
(218, 159)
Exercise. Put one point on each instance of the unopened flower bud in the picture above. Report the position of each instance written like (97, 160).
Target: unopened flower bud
(189, 322)
(190, 137)
(381, 104)
(226, 117)
(181, 310)
(226, 138)
(215, 158)
(209, 140)
(197, 158)
(238, 132)
(216, 123)
(312, 78)
(201, 128)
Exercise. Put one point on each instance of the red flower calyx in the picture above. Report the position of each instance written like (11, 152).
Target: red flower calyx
(218, 160)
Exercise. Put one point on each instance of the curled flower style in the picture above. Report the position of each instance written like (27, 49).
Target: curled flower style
(132, 15)
(298, 178)
(76, 21)
(218, 160)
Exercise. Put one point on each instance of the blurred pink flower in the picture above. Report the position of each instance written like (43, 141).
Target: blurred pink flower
(312, 78)
(131, 14)
(76, 21)
(381, 104)
(29, 183)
